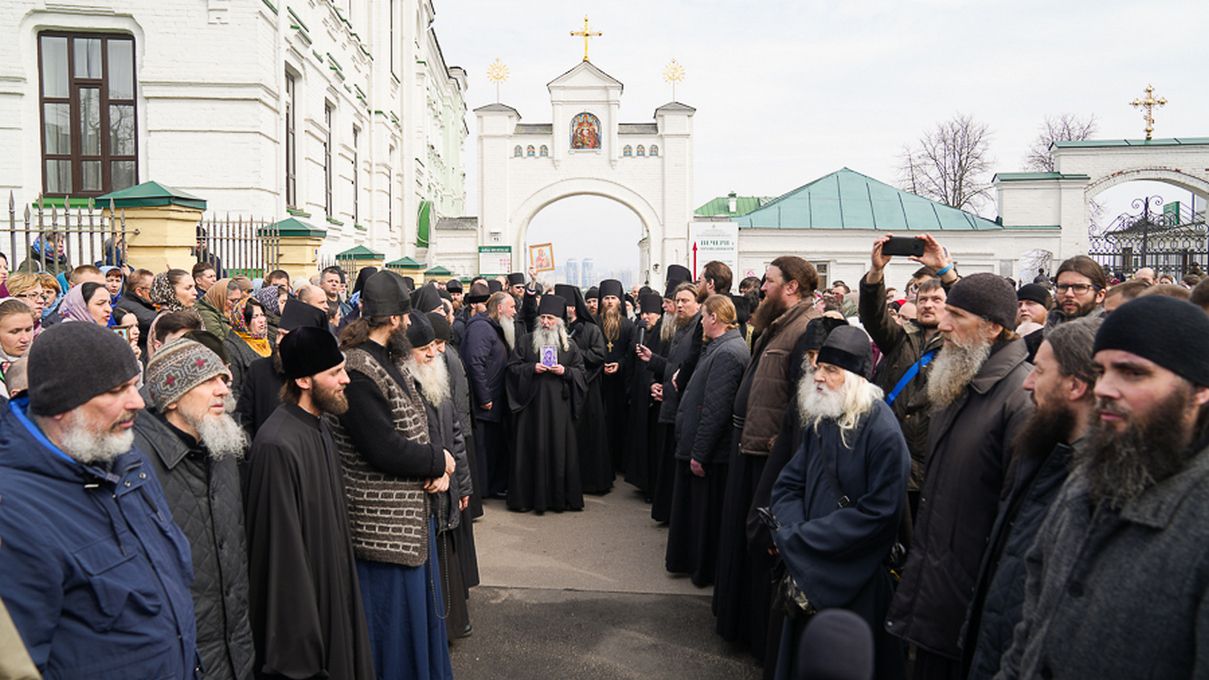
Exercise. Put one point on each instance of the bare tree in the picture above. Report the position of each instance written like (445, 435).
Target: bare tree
(950, 164)
(1064, 128)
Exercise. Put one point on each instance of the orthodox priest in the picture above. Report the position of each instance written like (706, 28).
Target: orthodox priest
(619, 348)
(595, 465)
(305, 603)
(545, 388)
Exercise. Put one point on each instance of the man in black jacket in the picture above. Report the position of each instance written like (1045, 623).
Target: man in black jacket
(193, 444)
(137, 301)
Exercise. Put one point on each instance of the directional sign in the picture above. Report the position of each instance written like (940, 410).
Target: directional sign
(713, 241)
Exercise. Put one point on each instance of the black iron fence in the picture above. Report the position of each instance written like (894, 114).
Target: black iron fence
(1168, 242)
(238, 246)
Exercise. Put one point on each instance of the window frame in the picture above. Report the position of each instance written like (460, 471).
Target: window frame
(329, 110)
(291, 141)
(75, 155)
(356, 176)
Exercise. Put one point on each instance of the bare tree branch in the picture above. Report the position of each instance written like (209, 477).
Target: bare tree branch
(950, 164)
(1063, 128)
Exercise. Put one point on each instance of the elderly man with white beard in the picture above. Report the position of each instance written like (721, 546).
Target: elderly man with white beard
(193, 444)
(95, 573)
(546, 387)
(975, 385)
(838, 502)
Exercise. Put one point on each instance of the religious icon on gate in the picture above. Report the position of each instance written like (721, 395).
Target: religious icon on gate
(585, 131)
(549, 356)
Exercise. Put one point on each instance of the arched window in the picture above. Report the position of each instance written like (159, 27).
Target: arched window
(585, 131)
(654, 150)
(544, 151)
(641, 150)
(627, 151)
(516, 151)
(530, 151)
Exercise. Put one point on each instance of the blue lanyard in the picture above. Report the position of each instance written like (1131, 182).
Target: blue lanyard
(910, 375)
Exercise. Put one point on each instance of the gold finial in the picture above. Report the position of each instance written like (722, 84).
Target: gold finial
(673, 73)
(1147, 105)
(586, 35)
(497, 72)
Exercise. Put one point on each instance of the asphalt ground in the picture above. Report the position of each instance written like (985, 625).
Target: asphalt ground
(585, 595)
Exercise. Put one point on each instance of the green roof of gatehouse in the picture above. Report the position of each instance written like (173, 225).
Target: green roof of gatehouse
(846, 199)
(437, 271)
(150, 194)
(359, 253)
(720, 206)
(405, 263)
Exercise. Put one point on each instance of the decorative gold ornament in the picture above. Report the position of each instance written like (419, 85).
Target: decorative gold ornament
(1147, 105)
(673, 73)
(497, 72)
(586, 35)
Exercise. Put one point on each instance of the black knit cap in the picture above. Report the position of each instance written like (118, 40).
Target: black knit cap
(453, 286)
(1035, 293)
(554, 305)
(987, 295)
(1165, 330)
(650, 303)
(592, 294)
(297, 314)
(848, 347)
(74, 361)
(440, 326)
(307, 351)
(611, 287)
(420, 332)
(516, 279)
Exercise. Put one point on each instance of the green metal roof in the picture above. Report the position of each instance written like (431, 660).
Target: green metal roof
(405, 263)
(150, 194)
(359, 253)
(423, 220)
(846, 199)
(437, 271)
(720, 206)
(1171, 141)
(293, 226)
(1032, 176)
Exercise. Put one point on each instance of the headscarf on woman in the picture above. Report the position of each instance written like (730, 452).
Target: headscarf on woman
(216, 297)
(75, 307)
(163, 294)
(258, 342)
(269, 297)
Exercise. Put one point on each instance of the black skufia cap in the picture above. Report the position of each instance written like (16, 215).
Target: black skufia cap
(650, 303)
(383, 295)
(426, 298)
(307, 351)
(677, 273)
(516, 279)
(592, 294)
(453, 286)
(554, 305)
(611, 287)
(848, 347)
(420, 332)
(495, 286)
(297, 314)
(440, 325)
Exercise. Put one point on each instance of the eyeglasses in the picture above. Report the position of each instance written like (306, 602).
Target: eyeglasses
(1078, 288)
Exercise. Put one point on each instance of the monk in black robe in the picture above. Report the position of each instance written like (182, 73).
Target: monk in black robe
(619, 350)
(595, 464)
(644, 447)
(545, 387)
(304, 598)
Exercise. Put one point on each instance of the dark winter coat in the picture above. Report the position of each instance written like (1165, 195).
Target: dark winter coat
(664, 368)
(703, 427)
(1119, 594)
(999, 597)
(485, 354)
(205, 499)
(901, 346)
(968, 444)
(240, 357)
(95, 573)
(259, 394)
(142, 310)
(767, 388)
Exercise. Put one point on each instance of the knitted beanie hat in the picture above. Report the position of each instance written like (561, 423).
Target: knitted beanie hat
(987, 295)
(73, 362)
(1167, 331)
(177, 368)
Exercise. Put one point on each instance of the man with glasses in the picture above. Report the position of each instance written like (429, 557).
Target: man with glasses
(1080, 288)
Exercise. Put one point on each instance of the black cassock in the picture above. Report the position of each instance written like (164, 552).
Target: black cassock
(645, 440)
(305, 604)
(545, 467)
(615, 390)
(595, 465)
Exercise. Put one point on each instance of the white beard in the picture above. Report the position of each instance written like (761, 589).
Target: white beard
(86, 446)
(818, 402)
(556, 336)
(221, 435)
(433, 378)
(954, 368)
(509, 329)
(668, 329)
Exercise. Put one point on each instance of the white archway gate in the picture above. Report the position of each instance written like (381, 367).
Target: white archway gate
(1084, 169)
(586, 150)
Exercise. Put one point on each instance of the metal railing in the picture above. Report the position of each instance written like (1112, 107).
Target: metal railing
(58, 238)
(239, 246)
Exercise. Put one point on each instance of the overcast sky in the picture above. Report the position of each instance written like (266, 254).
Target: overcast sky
(788, 91)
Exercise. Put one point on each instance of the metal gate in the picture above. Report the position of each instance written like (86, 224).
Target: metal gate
(1168, 241)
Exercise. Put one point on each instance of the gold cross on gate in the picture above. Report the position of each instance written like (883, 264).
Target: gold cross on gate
(586, 35)
(1148, 105)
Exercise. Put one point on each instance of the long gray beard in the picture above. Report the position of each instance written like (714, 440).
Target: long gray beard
(953, 370)
(556, 336)
(90, 447)
(222, 436)
(433, 378)
(667, 328)
(509, 329)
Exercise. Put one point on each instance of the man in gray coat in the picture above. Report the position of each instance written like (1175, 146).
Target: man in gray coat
(1117, 580)
(975, 383)
(193, 444)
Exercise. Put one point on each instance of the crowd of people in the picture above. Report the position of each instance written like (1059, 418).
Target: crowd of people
(205, 475)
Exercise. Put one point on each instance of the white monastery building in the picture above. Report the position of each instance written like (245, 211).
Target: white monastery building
(340, 113)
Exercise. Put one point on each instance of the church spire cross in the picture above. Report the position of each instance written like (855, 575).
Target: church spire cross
(586, 35)
(1147, 105)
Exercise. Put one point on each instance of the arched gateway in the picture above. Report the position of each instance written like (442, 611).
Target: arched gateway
(523, 167)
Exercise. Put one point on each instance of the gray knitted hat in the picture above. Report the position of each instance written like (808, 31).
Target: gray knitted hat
(74, 361)
(178, 367)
